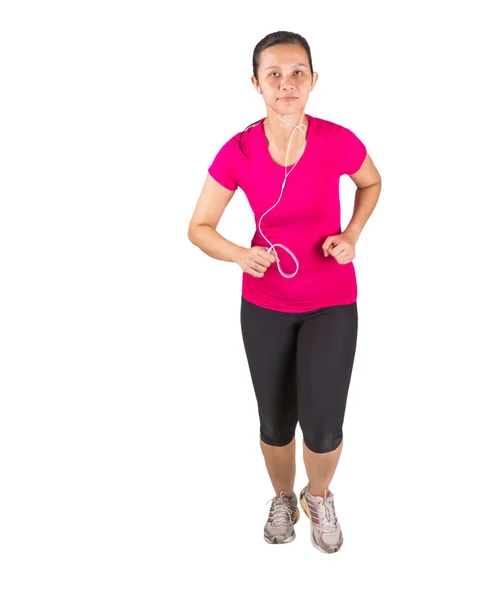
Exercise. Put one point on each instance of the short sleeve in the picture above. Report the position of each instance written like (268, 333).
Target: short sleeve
(351, 152)
(222, 168)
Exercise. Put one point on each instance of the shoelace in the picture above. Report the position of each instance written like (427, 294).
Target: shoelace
(281, 511)
(326, 511)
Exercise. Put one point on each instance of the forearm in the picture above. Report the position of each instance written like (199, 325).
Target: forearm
(365, 201)
(213, 244)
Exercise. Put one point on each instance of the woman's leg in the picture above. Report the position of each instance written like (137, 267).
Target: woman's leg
(270, 343)
(280, 463)
(321, 468)
(325, 355)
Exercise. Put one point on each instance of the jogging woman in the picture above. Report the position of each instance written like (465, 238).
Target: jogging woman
(299, 292)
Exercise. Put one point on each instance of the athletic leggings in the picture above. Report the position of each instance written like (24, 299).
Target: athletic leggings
(301, 365)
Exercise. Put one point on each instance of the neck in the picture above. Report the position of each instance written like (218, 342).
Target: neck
(279, 132)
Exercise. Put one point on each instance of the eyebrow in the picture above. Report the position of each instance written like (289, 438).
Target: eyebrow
(277, 67)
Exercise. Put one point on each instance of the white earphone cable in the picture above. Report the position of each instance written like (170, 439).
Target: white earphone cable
(302, 128)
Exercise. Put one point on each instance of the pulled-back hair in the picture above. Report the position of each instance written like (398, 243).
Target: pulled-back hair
(278, 37)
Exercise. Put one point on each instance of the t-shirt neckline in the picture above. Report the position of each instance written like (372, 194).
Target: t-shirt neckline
(265, 143)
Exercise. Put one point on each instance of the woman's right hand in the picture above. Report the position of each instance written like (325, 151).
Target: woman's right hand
(255, 261)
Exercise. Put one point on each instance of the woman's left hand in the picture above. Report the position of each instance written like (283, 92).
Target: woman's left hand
(341, 247)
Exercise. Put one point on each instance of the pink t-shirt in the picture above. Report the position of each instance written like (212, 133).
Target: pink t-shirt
(308, 212)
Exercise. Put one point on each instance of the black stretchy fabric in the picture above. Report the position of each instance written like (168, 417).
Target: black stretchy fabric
(301, 366)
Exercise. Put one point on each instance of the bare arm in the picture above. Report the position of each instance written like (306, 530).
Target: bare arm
(202, 232)
(369, 184)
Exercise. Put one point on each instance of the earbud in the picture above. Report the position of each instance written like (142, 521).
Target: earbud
(259, 90)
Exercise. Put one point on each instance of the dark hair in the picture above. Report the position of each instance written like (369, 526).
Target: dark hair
(278, 37)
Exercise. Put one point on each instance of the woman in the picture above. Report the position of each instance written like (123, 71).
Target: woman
(298, 307)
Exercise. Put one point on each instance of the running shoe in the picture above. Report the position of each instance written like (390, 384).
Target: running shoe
(284, 513)
(325, 532)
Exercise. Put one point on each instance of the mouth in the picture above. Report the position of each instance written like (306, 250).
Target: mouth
(288, 98)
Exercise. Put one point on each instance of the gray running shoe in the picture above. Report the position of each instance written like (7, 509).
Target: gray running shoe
(284, 513)
(325, 532)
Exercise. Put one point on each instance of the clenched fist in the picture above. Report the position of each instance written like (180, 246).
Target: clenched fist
(255, 261)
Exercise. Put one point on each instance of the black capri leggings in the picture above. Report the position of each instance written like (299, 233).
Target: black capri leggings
(301, 365)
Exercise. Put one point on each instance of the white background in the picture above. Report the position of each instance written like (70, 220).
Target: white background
(130, 465)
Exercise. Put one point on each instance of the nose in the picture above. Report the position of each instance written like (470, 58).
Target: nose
(286, 82)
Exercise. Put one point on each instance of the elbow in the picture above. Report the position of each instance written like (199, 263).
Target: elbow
(377, 182)
(193, 230)
(191, 234)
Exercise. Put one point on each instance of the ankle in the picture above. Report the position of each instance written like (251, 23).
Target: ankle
(288, 494)
(319, 493)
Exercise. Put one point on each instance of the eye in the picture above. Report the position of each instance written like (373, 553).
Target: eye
(297, 71)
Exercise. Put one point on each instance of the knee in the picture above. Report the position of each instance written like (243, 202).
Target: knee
(320, 443)
(276, 437)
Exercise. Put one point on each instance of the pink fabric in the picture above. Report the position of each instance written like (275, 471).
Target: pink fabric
(308, 212)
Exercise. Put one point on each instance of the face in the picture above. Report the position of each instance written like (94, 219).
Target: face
(284, 72)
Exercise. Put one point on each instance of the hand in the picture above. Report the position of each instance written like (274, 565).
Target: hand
(341, 247)
(255, 261)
